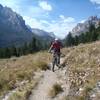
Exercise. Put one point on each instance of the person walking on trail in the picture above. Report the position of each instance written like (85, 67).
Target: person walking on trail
(55, 50)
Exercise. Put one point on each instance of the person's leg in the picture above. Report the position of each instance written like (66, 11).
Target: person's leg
(53, 67)
(58, 60)
(53, 63)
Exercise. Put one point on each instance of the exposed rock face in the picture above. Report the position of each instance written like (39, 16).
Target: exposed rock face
(84, 27)
(13, 30)
(95, 93)
(43, 34)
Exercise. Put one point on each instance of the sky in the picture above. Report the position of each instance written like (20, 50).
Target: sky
(58, 16)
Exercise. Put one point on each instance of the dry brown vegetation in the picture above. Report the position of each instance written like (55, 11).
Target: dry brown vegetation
(83, 64)
(15, 70)
(84, 68)
(56, 89)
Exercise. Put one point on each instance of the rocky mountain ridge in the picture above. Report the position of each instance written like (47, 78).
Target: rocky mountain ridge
(13, 30)
(84, 27)
(43, 34)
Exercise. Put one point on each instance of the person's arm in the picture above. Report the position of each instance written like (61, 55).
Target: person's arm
(50, 48)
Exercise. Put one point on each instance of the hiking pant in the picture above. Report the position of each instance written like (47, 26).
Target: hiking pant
(56, 60)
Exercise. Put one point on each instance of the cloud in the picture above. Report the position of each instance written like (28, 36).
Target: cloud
(62, 16)
(60, 27)
(34, 23)
(11, 3)
(36, 14)
(45, 6)
(24, 8)
(66, 20)
(82, 21)
(95, 1)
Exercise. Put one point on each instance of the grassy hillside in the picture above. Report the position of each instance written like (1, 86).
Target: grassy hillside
(15, 70)
(83, 62)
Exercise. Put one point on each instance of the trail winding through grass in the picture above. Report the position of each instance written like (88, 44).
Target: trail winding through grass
(46, 83)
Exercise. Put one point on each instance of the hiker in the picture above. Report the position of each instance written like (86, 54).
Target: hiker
(55, 50)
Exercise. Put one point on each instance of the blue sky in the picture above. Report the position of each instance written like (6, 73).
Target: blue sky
(58, 16)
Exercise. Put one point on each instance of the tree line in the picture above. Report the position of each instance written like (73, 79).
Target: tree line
(36, 44)
(32, 47)
(92, 35)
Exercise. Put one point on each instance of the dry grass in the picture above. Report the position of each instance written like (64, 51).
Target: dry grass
(84, 66)
(24, 92)
(56, 89)
(83, 62)
(74, 98)
(19, 69)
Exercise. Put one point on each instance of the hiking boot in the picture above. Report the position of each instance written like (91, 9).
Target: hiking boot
(53, 70)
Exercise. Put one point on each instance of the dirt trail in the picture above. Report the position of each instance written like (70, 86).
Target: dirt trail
(41, 91)
(46, 83)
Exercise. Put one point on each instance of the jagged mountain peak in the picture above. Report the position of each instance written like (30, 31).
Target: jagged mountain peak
(84, 27)
(93, 18)
(13, 30)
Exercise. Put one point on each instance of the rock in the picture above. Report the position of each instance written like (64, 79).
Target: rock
(95, 93)
(84, 27)
(13, 30)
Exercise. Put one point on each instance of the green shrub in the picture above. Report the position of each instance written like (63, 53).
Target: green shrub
(41, 65)
(56, 89)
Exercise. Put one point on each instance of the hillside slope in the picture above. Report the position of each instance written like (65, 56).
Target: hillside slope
(13, 30)
(78, 79)
(84, 27)
(84, 71)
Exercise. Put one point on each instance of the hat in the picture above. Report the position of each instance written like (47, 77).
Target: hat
(56, 39)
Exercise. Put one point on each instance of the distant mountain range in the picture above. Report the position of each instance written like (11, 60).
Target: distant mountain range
(41, 33)
(14, 31)
(84, 27)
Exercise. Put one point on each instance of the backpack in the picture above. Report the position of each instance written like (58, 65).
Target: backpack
(56, 46)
